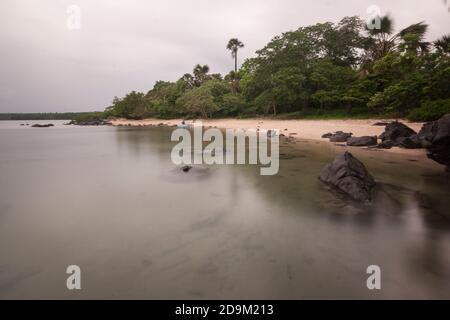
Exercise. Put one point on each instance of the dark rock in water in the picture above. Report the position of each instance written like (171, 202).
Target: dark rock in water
(186, 168)
(364, 141)
(437, 138)
(395, 130)
(42, 125)
(327, 135)
(412, 142)
(349, 175)
(382, 123)
(340, 136)
(22, 124)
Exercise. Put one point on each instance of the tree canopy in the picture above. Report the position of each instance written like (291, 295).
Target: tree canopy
(341, 68)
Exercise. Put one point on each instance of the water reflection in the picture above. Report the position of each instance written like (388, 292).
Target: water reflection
(110, 200)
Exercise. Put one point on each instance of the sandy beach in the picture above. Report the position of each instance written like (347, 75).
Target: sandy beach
(302, 129)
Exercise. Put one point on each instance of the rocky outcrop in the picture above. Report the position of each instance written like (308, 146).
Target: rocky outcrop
(37, 125)
(396, 130)
(435, 136)
(350, 176)
(364, 141)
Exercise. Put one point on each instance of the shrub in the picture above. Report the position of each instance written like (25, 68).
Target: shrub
(430, 110)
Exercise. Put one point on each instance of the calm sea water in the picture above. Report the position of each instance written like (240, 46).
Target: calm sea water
(109, 200)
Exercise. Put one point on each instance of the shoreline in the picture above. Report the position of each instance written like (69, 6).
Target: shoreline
(298, 129)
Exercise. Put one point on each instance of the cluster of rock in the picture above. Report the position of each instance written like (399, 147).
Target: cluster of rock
(434, 136)
(397, 134)
(340, 136)
(99, 122)
(349, 175)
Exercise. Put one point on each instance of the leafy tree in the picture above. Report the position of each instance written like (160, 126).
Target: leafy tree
(320, 68)
(198, 102)
(133, 105)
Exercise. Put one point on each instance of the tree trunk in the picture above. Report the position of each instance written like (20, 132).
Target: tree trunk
(235, 62)
(349, 108)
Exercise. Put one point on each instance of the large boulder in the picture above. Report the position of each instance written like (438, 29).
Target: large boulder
(425, 134)
(436, 137)
(364, 141)
(349, 175)
(395, 130)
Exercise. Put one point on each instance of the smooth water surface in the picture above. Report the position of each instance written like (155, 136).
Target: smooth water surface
(109, 200)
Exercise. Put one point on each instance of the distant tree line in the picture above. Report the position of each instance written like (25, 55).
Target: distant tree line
(80, 116)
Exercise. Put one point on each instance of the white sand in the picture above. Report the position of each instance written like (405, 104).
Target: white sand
(303, 129)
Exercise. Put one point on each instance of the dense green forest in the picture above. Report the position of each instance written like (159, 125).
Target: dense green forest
(325, 70)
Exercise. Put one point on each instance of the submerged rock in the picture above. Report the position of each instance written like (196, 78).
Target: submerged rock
(365, 141)
(186, 168)
(327, 135)
(349, 175)
(395, 130)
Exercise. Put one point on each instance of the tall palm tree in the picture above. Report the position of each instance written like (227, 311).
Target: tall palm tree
(383, 40)
(234, 45)
(443, 44)
(413, 38)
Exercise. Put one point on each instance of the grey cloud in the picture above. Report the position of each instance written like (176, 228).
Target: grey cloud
(128, 45)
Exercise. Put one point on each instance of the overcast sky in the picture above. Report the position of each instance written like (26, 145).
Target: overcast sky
(126, 45)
